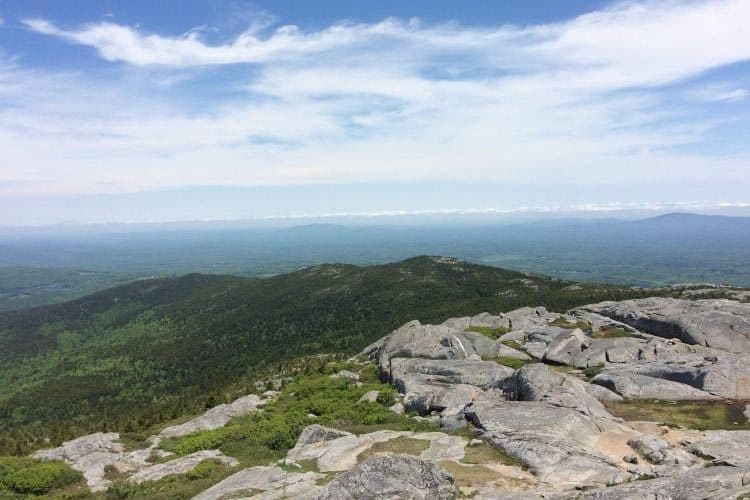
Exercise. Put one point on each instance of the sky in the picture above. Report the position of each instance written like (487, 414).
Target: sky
(160, 111)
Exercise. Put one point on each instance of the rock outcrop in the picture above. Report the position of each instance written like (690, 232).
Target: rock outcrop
(718, 323)
(216, 417)
(535, 402)
(392, 477)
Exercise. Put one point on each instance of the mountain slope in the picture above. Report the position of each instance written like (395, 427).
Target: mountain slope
(154, 350)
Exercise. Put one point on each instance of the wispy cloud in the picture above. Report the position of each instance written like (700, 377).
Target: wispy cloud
(579, 101)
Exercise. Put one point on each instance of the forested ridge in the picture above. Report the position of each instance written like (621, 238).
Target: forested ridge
(151, 351)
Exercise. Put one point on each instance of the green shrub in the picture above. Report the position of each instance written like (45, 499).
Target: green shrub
(28, 476)
(262, 437)
(204, 469)
(387, 396)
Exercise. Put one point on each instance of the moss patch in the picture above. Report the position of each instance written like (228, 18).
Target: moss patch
(405, 445)
(485, 453)
(610, 332)
(699, 415)
(565, 323)
(514, 363)
(493, 333)
(592, 371)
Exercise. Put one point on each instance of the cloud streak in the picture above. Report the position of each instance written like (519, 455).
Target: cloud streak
(583, 101)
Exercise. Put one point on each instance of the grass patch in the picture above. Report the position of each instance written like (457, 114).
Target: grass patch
(310, 465)
(405, 445)
(592, 371)
(485, 453)
(699, 415)
(513, 344)
(493, 333)
(565, 323)
(469, 476)
(610, 332)
(514, 363)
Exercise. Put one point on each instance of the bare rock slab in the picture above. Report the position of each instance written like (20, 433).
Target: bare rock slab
(392, 477)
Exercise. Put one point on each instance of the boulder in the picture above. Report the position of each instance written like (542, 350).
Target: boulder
(317, 434)
(537, 382)
(369, 397)
(433, 385)
(391, 477)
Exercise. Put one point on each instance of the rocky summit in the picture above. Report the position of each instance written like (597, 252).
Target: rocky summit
(616, 400)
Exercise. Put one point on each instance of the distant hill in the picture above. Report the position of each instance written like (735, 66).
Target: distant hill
(673, 248)
(153, 350)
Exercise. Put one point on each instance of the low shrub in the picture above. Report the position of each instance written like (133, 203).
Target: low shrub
(387, 396)
(29, 476)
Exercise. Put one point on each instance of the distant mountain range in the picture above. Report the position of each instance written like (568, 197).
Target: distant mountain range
(672, 248)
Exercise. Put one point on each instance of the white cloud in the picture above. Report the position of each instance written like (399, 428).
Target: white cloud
(720, 93)
(564, 103)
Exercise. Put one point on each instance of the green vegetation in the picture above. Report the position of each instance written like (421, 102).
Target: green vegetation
(152, 351)
(591, 371)
(700, 415)
(564, 323)
(205, 475)
(513, 344)
(22, 287)
(493, 333)
(25, 476)
(486, 453)
(265, 436)
(514, 363)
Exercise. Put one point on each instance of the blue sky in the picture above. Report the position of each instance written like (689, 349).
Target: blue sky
(146, 111)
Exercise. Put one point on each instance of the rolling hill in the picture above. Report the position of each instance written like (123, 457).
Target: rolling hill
(154, 350)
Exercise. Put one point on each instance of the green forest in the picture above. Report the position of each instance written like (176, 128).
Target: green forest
(148, 352)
